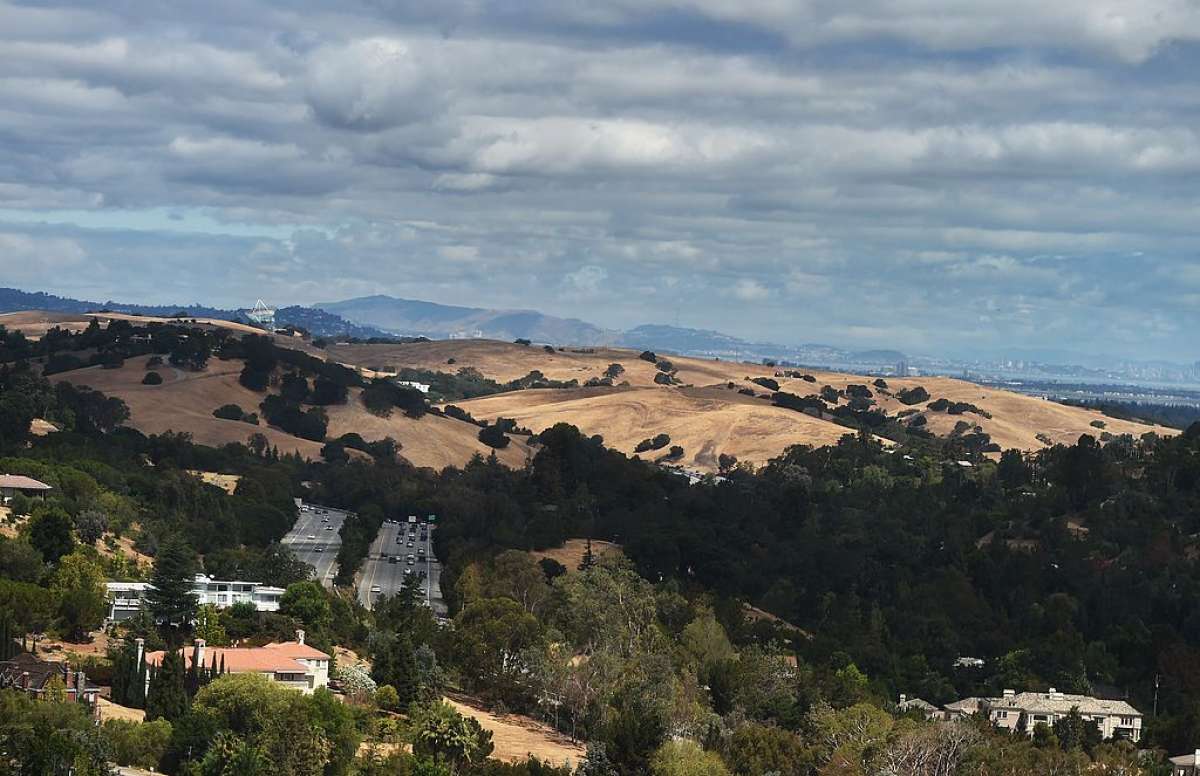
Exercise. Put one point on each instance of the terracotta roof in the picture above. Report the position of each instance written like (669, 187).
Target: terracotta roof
(21, 482)
(297, 651)
(243, 660)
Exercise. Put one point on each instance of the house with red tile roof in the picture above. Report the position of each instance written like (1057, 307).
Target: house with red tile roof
(290, 663)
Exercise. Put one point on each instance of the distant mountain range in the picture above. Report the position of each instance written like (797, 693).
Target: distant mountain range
(385, 316)
(319, 322)
(412, 317)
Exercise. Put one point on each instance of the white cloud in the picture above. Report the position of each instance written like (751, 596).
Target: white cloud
(370, 84)
(749, 290)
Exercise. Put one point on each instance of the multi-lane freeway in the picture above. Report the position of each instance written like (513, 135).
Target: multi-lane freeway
(401, 550)
(315, 539)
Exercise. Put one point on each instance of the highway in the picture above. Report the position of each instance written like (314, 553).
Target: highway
(379, 571)
(320, 552)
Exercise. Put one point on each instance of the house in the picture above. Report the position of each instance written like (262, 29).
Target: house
(12, 484)
(291, 663)
(1186, 764)
(927, 709)
(125, 598)
(964, 708)
(32, 675)
(1024, 711)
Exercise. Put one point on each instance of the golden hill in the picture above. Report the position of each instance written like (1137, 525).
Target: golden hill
(704, 415)
(185, 401)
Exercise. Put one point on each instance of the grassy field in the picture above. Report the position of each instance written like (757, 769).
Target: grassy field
(185, 401)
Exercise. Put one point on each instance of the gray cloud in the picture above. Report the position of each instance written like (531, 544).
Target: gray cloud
(919, 174)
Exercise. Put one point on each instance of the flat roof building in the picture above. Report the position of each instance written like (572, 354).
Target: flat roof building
(126, 598)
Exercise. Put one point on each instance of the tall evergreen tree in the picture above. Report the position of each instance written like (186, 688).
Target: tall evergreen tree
(396, 665)
(167, 698)
(170, 597)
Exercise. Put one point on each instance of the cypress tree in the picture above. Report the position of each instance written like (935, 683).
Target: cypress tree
(168, 698)
(137, 693)
(170, 598)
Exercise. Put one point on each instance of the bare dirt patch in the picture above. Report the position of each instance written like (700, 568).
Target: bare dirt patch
(516, 737)
(226, 482)
(571, 553)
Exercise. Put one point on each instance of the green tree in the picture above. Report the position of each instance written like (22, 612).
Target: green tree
(78, 585)
(167, 697)
(42, 738)
(170, 598)
(754, 749)
(686, 758)
(141, 744)
(19, 560)
(308, 603)
(50, 533)
(449, 738)
(395, 666)
(209, 627)
(491, 636)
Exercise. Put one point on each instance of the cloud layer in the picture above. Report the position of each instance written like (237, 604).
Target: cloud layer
(929, 175)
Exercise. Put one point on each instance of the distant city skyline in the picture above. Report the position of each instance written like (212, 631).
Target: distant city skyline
(935, 177)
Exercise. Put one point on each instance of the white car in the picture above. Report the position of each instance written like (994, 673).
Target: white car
(312, 536)
(376, 589)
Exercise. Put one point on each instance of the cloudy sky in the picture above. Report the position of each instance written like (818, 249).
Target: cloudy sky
(936, 176)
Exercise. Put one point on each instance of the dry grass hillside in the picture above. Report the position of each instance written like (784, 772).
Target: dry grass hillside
(35, 323)
(703, 415)
(185, 401)
(706, 422)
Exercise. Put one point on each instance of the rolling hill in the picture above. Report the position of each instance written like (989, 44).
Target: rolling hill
(185, 401)
(706, 414)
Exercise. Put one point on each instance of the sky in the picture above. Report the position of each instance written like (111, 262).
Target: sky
(938, 177)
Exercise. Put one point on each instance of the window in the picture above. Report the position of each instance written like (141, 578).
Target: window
(1127, 721)
(1001, 715)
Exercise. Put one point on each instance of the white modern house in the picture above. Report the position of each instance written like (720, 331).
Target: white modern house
(125, 598)
(292, 664)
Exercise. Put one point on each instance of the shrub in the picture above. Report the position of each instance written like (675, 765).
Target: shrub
(830, 394)
(152, 378)
(860, 391)
(614, 371)
(664, 365)
(662, 378)
(808, 378)
(493, 436)
(658, 442)
(880, 383)
(912, 395)
(648, 355)
(522, 341)
(548, 348)
(154, 361)
(766, 382)
(229, 412)
(675, 453)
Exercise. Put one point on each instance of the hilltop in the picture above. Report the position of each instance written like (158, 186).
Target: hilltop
(713, 407)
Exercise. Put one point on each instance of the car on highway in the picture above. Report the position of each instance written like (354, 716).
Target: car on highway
(312, 536)
(392, 559)
(410, 544)
(411, 560)
(376, 589)
(319, 549)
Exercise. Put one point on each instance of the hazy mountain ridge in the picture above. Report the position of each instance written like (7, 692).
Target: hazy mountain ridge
(319, 322)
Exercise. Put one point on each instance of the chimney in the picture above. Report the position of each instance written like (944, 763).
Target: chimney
(141, 645)
(300, 636)
(200, 645)
(24, 680)
(903, 698)
(1010, 694)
